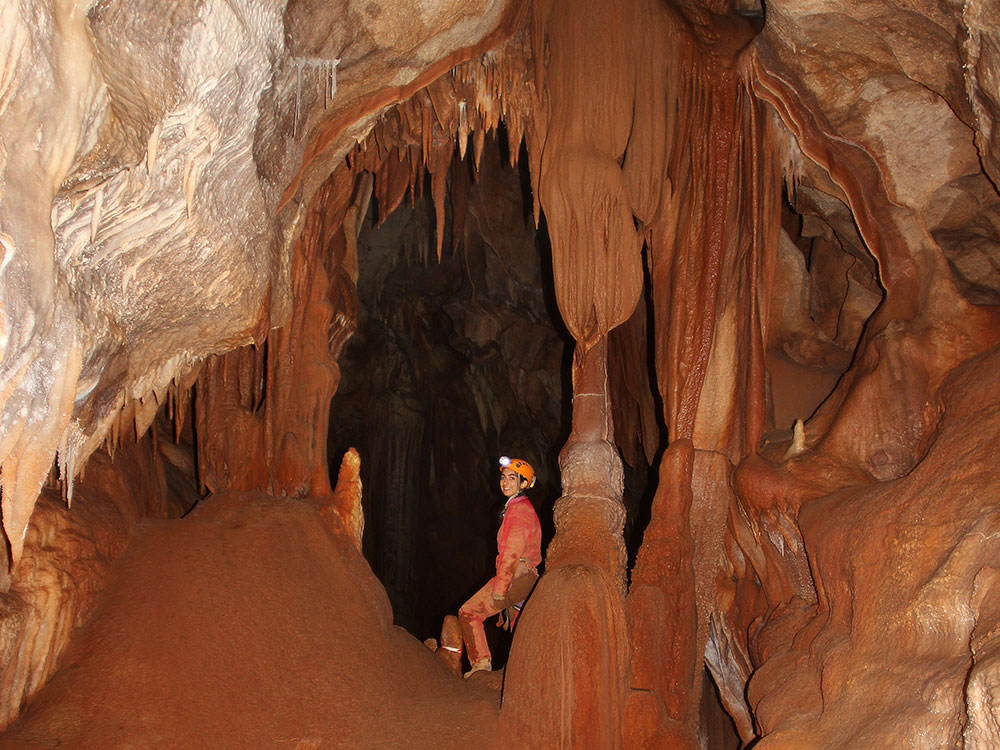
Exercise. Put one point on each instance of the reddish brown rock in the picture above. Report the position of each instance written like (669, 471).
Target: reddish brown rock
(67, 554)
(816, 198)
(662, 614)
(255, 645)
(898, 567)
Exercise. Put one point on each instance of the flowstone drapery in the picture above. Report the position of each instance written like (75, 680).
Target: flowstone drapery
(566, 678)
(176, 189)
(680, 145)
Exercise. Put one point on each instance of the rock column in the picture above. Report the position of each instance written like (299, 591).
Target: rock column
(566, 679)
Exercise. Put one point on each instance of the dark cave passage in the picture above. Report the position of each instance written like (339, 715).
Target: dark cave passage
(459, 360)
(454, 363)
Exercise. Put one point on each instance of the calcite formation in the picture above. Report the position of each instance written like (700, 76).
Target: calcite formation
(774, 238)
(145, 150)
(146, 144)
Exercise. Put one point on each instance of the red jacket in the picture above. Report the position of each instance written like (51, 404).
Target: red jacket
(519, 538)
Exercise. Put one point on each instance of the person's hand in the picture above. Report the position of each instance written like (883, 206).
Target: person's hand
(500, 601)
(502, 619)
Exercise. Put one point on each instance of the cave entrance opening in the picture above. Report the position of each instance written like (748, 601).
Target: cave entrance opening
(454, 362)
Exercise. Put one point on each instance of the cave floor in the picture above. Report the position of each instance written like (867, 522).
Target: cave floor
(247, 624)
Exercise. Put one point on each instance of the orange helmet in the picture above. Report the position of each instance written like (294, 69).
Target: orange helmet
(522, 467)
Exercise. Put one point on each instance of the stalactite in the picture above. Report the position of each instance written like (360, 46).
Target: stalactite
(420, 134)
(24, 468)
(263, 410)
(598, 277)
(439, 166)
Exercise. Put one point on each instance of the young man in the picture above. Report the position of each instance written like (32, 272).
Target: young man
(519, 552)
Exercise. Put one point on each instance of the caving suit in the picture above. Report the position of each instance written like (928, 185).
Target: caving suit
(519, 550)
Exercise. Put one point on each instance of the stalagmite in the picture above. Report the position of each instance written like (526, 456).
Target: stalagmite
(798, 440)
(578, 673)
(183, 219)
(450, 649)
(346, 501)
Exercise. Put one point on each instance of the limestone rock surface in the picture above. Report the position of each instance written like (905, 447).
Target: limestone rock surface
(775, 244)
(148, 143)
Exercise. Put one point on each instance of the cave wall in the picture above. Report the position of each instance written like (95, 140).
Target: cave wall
(68, 550)
(133, 157)
(781, 557)
(898, 150)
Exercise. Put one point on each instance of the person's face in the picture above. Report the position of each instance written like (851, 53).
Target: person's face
(510, 482)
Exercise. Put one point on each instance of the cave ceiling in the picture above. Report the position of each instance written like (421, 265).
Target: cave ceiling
(116, 182)
(791, 212)
(262, 102)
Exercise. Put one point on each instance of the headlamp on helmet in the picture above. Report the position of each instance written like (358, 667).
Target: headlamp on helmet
(522, 467)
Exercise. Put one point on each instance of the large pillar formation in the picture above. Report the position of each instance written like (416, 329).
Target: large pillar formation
(645, 131)
(711, 256)
(567, 673)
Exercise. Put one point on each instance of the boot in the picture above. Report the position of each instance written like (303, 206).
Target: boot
(479, 665)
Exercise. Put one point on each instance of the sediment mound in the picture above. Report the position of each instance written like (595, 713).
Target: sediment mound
(249, 625)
